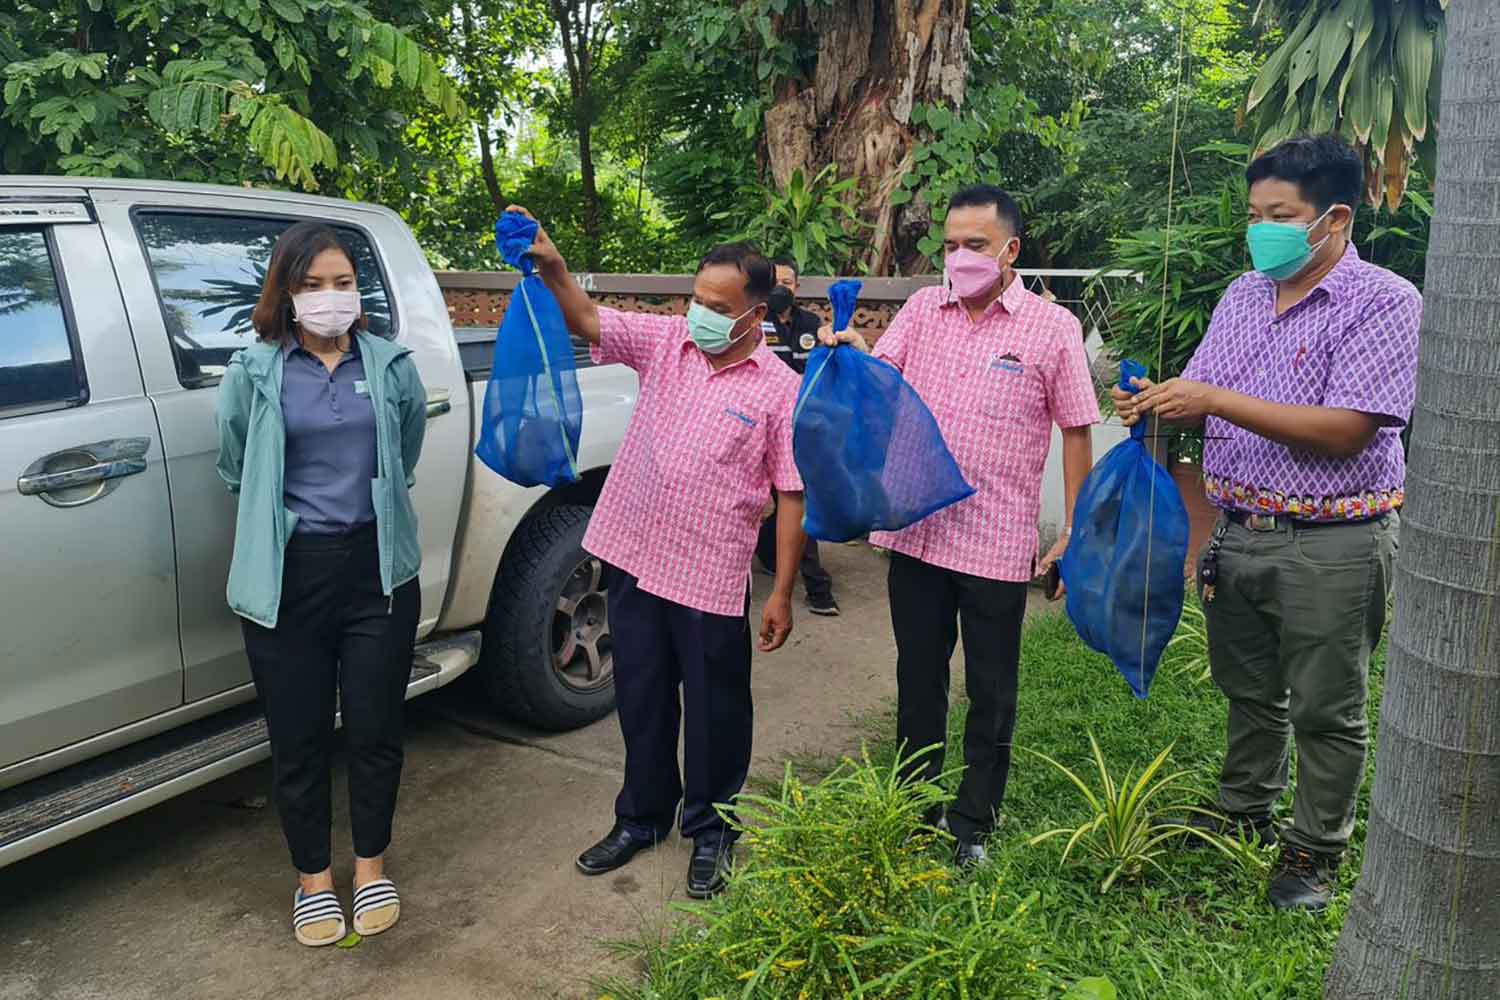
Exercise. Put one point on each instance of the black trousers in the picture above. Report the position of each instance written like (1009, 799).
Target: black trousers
(816, 580)
(659, 647)
(928, 607)
(339, 643)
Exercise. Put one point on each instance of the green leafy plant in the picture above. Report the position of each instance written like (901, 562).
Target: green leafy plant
(1187, 650)
(1369, 69)
(206, 89)
(1092, 988)
(1184, 270)
(962, 146)
(839, 897)
(1128, 831)
(813, 220)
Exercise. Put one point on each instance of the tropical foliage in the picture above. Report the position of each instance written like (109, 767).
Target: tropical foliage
(216, 90)
(1369, 69)
(1135, 821)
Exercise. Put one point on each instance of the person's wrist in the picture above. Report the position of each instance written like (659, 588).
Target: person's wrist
(1214, 402)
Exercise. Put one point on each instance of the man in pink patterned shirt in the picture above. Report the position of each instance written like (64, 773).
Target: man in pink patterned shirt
(1303, 382)
(677, 522)
(998, 366)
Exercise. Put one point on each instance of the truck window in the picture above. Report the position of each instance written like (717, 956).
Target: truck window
(209, 268)
(39, 367)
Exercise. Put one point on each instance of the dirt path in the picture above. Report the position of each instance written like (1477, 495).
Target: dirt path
(190, 899)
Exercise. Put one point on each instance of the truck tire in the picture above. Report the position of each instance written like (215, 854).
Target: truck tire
(547, 659)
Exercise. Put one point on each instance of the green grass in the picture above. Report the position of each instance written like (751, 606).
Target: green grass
(1199, 929)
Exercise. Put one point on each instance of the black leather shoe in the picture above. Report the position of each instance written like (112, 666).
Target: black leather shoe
(709, 868)
(1303, 880)
(969, 854)
(614, 851)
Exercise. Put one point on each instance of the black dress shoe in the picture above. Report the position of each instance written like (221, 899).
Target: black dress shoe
(969, 854)
(708, 868)
(614, 851)
(1303, 880)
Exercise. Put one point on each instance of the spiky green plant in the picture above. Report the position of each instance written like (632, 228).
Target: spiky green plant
(1187, 651)
(1130, 827)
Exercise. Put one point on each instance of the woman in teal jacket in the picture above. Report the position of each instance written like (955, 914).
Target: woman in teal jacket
(320, 425)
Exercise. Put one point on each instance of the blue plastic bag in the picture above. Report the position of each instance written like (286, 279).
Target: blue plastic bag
(533, 415)
(1123, 566)
(868, 449)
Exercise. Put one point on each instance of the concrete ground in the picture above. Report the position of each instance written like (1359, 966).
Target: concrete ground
(191, 899)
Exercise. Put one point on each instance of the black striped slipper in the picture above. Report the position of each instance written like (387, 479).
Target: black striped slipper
(317, 908)
(377, 907)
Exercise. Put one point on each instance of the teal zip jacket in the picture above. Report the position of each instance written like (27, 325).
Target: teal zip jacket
(252, 461)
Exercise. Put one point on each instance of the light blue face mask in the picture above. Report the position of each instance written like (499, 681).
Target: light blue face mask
(711, 331)
(1280, 250)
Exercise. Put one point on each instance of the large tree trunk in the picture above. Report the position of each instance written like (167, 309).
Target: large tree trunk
(1425, 920)
(877, 59)
(583, 29)
(487, 160)
(592, 236)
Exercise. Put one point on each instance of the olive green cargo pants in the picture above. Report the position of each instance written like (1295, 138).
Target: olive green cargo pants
(1296, 613)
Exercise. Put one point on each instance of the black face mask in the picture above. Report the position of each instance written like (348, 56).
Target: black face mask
(781, 300)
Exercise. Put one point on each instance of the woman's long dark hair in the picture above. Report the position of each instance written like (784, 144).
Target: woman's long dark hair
(290, 259)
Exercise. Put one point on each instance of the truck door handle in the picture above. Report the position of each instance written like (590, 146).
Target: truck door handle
(100, 465)
(439, 402)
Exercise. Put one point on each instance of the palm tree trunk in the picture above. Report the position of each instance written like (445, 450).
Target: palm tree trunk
(1424, 923)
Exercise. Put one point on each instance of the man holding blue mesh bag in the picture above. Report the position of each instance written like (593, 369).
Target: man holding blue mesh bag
(1303, 383)
(710, 439)
(998, 366)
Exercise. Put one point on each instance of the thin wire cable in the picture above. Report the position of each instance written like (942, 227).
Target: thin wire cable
(1161, 323)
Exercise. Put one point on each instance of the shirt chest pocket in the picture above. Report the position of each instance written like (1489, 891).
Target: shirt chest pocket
(1012, 392)
(738, 437)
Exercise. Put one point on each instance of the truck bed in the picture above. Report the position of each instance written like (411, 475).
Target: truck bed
(476, 346)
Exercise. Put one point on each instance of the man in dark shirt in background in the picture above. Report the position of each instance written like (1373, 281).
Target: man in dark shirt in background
(792, 332)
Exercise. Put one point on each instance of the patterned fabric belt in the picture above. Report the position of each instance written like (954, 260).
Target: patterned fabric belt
(1305, 509)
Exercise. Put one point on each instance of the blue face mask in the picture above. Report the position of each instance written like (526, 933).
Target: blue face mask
(1280, 250)
(711, 331)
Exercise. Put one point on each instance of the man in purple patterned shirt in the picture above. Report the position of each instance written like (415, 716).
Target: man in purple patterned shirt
(1303, 383)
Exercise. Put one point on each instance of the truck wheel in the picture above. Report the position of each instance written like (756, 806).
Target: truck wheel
(547, 658)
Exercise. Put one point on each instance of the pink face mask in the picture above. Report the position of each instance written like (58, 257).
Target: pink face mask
(971, 273)
(326, 314)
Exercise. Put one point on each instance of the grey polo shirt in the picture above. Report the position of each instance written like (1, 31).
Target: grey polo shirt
(330, 440)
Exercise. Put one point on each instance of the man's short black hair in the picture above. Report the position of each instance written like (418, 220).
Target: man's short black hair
(1324, 168)
(760, 276)
(980, 195)
(786, 260)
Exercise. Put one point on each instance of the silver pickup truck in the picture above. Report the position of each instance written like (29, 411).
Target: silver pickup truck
(122, 675)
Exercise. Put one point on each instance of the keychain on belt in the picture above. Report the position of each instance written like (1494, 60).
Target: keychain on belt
(1208, 574)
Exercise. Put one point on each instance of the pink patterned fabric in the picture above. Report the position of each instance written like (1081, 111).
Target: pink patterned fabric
(996, 388)
(681, 507)
(1351, 344)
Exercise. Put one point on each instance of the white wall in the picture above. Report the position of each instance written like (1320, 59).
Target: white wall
(1106, 436)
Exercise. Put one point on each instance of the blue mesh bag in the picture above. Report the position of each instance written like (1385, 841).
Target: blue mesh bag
(868, 449)
(533, 415)
(1123, 566)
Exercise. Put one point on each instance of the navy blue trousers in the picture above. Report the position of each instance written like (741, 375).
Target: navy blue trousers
(678, 669)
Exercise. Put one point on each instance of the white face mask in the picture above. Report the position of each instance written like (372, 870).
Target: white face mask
(326, 314)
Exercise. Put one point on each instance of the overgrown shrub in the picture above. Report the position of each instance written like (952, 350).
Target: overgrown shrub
(844, 893)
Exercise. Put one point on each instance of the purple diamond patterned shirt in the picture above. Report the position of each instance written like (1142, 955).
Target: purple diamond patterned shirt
(1350, 344)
